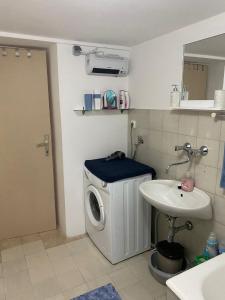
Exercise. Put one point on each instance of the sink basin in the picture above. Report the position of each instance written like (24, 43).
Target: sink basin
(204, 282)
(166, 197)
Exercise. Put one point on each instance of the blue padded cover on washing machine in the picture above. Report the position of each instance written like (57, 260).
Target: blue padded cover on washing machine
(117, 169)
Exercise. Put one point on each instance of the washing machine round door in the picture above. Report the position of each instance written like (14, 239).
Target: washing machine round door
(95, 208)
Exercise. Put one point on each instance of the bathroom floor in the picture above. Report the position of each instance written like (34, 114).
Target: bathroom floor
(47, 266)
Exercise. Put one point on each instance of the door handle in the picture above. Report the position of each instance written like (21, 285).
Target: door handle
(45, 144)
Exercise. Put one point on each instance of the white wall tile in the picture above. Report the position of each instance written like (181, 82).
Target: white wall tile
(221, 154)
(170, 121)
(155, 158)
(155, 140)
(219, 230)
(219, 209)
(182, 139)
(188, 124)
(211, 159)
(156, 119)
(222, 134)
(219, 191)
(182, 170)
(208, 127)
(198, 129)
(205, 178)
(141, 116)
(169, 140)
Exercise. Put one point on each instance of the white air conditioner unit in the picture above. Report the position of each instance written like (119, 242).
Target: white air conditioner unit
(107, 65)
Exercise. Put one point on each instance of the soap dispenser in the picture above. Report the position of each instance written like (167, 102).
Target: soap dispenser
(175, 97)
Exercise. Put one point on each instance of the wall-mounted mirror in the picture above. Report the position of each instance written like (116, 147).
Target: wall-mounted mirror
(203, 68)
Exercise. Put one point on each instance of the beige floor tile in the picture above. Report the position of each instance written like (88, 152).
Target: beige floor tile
(70, 279)
(30, 238)
(76, 291)
(33, 247)
(93, 284)
(17, 283)
(57, 297)
(2, 287)
(81, 246)
(124, 277)
(146, 255)
(75, 238)
(52, 238)
(139, 267)
(135, 292)
(14, 266)
(141, 290)
(153, 286)
(37, 259)
(47, 288)
(1, 270)
(13, 253)
(63, 265)
(25, 295)
(41, 273)
(160, 297)
(69, 270)
(58, 252)
(92, 268)
(9, 243)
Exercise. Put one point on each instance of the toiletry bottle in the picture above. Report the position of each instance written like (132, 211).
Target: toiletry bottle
(212, 245)
(121, 99)
(175, 97)
(187, 183)
(185, 93)
(127, 100)
(221, 247)
(97, 99)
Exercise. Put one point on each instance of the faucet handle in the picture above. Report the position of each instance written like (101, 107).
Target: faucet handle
(186, 147)
(203, 150)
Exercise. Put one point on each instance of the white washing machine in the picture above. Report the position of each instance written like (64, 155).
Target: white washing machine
(118, 219)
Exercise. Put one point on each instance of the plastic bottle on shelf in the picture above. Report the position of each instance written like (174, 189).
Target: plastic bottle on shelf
(212, 245)
(221, 247)
(121, 99)
(127, 100)
(175, 96)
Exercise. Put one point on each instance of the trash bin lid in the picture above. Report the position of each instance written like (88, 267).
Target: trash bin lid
(170, 250)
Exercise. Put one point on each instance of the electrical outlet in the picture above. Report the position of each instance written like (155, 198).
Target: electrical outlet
(133, 123)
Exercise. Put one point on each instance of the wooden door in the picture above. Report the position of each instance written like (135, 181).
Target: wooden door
(195, 80)
(27, 200)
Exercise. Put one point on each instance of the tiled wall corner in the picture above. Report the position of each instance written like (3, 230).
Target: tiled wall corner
(161, 131)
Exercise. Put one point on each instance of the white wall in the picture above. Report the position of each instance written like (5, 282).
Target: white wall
(93, 135)
(157, 64)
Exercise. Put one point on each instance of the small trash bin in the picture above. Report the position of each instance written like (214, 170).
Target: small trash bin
(170, 256)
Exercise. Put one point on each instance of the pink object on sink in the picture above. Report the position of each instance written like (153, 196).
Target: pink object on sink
(187, 184)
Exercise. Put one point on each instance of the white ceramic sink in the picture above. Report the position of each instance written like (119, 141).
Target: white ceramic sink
(169, 199)
(204, 282)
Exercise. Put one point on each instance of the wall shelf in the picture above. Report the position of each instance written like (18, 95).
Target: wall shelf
(83, 111)
(209, 109)
(215, 113)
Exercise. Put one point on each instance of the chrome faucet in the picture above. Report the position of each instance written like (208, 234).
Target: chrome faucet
(190, 152)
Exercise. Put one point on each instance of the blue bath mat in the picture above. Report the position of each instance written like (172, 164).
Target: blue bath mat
(106, 292)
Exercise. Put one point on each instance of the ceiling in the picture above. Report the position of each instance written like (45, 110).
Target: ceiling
(122, 22)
